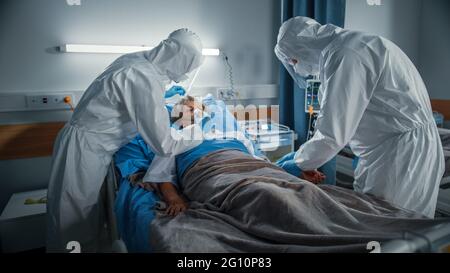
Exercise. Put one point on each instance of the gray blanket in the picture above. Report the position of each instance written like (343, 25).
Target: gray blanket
(239, 204)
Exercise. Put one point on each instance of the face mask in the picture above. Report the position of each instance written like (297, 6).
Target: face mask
(306, 69)
(177, 78)
(181, 79)
(300, 70)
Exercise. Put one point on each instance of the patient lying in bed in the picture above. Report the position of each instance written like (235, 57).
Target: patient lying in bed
(241, 203)
(163, 172)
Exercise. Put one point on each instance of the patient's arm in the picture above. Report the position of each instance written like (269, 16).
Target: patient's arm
(162, 175)
(314, 177)
(175, 203)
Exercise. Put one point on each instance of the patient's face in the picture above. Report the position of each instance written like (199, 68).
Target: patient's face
(188, 115)
(196, 107)
(188, 110)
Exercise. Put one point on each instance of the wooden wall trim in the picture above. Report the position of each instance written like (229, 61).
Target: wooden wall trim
(28, 140)
(19, 141)
(265, 113)
(442, 106)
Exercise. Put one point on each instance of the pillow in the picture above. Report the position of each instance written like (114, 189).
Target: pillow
(219, 117)
(222, 119)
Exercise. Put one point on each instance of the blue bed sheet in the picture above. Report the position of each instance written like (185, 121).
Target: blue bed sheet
(135, 211)
(133, 157)
(185, 160)
(134, 207)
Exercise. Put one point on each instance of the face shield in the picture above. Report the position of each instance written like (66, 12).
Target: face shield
(188, 82)
(295, 70)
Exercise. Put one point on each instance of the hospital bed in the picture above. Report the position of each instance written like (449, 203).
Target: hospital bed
(435, 239)
(443, 206)
(131, 212)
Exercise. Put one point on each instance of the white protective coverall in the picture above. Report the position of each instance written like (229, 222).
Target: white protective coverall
(126, 99)
(374, 99)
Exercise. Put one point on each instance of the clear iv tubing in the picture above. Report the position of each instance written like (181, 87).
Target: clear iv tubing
(311, 112)
(309, 128)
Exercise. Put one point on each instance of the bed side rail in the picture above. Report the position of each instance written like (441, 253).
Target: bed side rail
(432, 240)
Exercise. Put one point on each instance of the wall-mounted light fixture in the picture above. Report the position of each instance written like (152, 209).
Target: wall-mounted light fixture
(82, 48)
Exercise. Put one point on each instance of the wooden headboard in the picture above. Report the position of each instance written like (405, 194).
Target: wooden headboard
(442, 106)
(28, 140)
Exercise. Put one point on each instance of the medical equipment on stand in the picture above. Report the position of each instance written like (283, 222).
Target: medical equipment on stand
(312, 104)
(272, 139)
(439, 118)
(312, 95)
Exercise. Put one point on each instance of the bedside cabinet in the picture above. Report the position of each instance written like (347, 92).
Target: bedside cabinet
(23, 226)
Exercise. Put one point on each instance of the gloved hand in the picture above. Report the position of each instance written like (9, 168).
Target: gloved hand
(355, 163)
(289, 165)
(175, 90)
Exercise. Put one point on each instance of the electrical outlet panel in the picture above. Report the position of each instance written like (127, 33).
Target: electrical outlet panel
(48, 102)
(227, 94)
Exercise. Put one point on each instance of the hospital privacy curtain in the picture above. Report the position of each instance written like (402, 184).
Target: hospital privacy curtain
(292, 98)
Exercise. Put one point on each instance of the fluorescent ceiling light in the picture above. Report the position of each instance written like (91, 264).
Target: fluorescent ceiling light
(78, 48)
(211, 52)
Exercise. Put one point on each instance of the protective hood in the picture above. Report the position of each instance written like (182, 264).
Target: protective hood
(303, 39)
(178, 55)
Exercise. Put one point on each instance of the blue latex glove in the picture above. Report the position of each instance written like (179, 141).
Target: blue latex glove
(288, 164)
(355, 163)
(175, 90)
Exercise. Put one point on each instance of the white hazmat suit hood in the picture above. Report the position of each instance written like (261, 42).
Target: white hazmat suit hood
(125, 100)
(180, 54)
(373, 99)
(303, 39)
